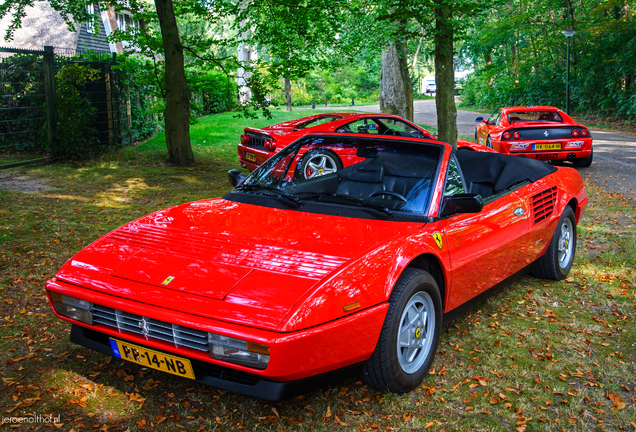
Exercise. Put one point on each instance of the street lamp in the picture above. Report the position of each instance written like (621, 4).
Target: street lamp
(568, 34)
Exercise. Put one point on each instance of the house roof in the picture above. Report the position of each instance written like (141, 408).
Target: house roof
(41, 26)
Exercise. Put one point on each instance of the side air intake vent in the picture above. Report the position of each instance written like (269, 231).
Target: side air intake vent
(543, 204)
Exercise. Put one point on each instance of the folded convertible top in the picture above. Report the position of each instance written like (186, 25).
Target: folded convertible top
(489, 173)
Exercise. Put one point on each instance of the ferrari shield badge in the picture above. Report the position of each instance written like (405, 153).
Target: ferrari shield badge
(438, 238)
(170, 278)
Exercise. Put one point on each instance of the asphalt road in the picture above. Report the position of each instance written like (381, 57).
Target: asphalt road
(614, 166)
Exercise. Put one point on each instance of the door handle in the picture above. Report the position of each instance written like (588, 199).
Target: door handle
(519, 211)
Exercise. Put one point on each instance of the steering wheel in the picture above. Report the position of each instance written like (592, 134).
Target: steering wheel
(389, 193)
(389, 132)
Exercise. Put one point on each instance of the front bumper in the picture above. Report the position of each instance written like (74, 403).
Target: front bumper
(230, 379)
(293, 356)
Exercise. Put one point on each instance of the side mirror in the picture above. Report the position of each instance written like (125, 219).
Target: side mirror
(479, 119)
(462, 203)
(235, 177)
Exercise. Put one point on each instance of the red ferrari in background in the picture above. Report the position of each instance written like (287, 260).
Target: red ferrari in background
(541, 132)
(258, 145)
(288, 283)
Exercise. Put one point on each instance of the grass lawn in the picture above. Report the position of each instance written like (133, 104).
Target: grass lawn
(539, 356)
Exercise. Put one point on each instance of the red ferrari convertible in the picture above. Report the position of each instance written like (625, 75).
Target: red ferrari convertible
(258, 145)
(541, 132)
(287, 283)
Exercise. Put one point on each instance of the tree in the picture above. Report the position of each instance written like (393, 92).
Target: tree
(520, 55)
(293, 37)
(434, 18)
(177, 114)
(396, 93)
(445, 73)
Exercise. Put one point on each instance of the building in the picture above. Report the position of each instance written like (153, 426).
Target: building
(44, 26)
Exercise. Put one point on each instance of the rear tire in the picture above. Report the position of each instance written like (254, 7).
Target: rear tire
(410, 335)
(318, 162)
(584, 163)
(558, 260)
(489, 142)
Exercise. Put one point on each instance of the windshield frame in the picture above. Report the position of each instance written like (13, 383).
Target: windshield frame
(332, 205)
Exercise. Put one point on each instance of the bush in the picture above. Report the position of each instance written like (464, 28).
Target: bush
(212, 91)
(137, 77)
(76, 135)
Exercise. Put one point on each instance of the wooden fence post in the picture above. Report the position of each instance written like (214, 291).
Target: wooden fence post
(50, 98)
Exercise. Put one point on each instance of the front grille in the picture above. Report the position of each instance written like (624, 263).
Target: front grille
(174, 334)
(543, 204)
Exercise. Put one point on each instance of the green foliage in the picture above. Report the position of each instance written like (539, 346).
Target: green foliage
(212, 90)
(76, 135)
(521, 56)
(359, 80)
(139, 85)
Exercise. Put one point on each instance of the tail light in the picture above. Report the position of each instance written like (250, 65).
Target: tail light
(506, 135)
(270, 145)
(245, 139)
(584, 132)
(575, 132)
(516, 135)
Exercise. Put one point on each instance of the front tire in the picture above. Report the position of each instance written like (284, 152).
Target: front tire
(410, 335)
(558, 260)
(584, 163)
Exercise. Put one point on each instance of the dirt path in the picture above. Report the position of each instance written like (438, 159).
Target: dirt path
(22, 183)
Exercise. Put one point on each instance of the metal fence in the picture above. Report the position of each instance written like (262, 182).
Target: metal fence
(23, 135)
(28, 114)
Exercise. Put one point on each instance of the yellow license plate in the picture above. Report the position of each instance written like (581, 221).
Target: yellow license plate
(549, 146)
(152, 359)
(250, 156)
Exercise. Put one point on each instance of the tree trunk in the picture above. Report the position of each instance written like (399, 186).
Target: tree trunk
(396, 94)
(445, 74)
(417, 52)
(177, 114)
(288, 94)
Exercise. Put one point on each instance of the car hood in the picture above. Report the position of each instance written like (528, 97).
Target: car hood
(226, 260)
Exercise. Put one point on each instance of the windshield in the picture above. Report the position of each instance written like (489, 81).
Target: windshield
(391, 175)
(534, 116)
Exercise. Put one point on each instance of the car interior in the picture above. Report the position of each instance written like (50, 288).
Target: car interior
(396, 178)
(380, 126)
(532, 116)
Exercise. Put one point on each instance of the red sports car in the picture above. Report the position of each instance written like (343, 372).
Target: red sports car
(258, 145)
(542, 132)
(287, 283)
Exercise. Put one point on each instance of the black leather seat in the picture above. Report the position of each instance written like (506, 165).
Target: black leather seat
(361, 180)
(399, 184)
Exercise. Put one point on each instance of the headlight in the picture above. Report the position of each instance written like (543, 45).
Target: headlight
(238, 351)
(70, 307)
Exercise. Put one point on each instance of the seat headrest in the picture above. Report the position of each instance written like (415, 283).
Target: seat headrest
(367, 173)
